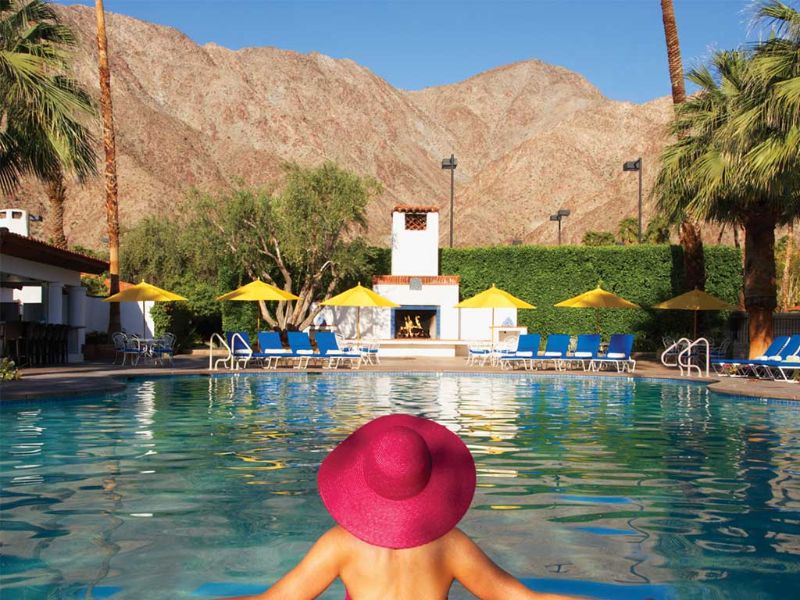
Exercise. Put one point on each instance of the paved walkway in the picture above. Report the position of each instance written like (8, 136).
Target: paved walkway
(87, 378)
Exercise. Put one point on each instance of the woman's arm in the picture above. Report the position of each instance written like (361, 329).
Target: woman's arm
(319, 567)
(476, 572)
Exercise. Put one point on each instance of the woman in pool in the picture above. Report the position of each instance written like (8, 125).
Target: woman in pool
(397, 487)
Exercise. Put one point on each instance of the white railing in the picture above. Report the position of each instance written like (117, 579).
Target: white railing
(686, 354)
(673, 351)
(212, 366)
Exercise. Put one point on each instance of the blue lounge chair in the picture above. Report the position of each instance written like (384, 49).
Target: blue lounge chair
(241, 349)
(586, 350)
(617, 354)
(527, 349)
(778, 365)
(302, 352)
(329, 348)
(271, 347)
(743, 366)
(555, 350)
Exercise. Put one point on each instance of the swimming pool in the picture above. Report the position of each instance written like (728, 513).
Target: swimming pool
(190, 487)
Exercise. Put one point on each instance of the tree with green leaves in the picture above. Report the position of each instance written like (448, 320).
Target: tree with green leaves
(736, 158)
(658, 230)
(304, 239)
(43, 111)
(598, 238)
(628, 231)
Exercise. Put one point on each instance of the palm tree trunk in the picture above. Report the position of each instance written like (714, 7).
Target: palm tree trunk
(786, 279)
(109, 145)
(56, 195)
(690, 236)
(673, 52)
(759, 279)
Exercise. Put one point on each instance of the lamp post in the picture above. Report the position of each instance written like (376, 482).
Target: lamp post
(562, 212)
(636, 165)
(450, 164)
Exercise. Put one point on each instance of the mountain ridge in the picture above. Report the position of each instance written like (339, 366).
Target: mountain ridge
(530, 137)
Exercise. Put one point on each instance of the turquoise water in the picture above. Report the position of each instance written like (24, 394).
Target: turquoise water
(189, 487)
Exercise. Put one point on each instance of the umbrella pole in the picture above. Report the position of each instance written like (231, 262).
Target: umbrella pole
(358, 323)
(491, 329)
(597, 319)
(695, 324)
(144, 323)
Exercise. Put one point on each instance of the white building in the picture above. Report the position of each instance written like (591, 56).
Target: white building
(426, 323)
(41, 284)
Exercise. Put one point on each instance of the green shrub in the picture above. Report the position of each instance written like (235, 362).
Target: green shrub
(644, 274)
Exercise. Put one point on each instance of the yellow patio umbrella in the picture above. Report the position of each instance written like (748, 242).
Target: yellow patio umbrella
(695, 300)
(144, 292)
(597, 298)
(360, 297)
(493, 298)
(258, 290)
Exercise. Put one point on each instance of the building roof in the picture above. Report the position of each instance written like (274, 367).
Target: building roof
(13, 244)
(423, 279)
(414, 208)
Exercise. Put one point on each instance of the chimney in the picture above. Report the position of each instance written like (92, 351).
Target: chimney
(415, 240)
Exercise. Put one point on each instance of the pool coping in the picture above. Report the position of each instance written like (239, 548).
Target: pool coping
(96, 379)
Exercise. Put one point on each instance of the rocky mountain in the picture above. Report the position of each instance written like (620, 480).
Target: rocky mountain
(530, 138)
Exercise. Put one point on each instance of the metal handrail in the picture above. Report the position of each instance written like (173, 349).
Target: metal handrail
(211, 352)
(688, 352)
(673, 348)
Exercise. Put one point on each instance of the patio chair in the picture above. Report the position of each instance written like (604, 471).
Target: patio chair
(164, 347)
(478, 353)
(302, 352)
(617, 354)
(527, 349)
(788, 359)
(271, 349)
(368, 349)
(739, 367)
(586, 350)
(555, 351)
(128, 346)
(329, 349)
(241, 349)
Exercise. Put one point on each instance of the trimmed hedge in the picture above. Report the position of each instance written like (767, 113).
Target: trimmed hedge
(645, 274)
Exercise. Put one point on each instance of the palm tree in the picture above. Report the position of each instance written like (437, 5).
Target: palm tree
(628, 231)
(689, 232)
(41, 109)
(737, 155)
(109, 146)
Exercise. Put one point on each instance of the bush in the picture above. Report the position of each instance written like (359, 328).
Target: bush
(644, 274)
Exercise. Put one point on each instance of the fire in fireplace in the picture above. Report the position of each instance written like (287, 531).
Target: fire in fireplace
(418, 323)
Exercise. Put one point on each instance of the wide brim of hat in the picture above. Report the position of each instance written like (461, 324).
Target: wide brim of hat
(398, 523)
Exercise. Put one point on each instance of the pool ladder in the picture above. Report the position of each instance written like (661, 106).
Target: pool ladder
(682, 351)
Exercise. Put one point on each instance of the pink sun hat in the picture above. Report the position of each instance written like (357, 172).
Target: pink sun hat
(399, 481)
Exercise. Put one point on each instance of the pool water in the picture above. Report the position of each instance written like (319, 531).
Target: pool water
(192, 487)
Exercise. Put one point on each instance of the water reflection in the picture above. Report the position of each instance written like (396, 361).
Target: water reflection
(193, 480)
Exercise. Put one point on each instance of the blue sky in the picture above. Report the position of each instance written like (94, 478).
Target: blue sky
(617, 44)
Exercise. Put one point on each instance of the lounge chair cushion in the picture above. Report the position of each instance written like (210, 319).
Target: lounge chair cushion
(615, 355)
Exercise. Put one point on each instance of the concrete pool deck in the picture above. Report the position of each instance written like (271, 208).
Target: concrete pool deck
(102, 377)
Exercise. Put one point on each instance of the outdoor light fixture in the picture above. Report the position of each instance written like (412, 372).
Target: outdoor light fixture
(35, 218)
(562, 212)
(636, 165)
(450, 164)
